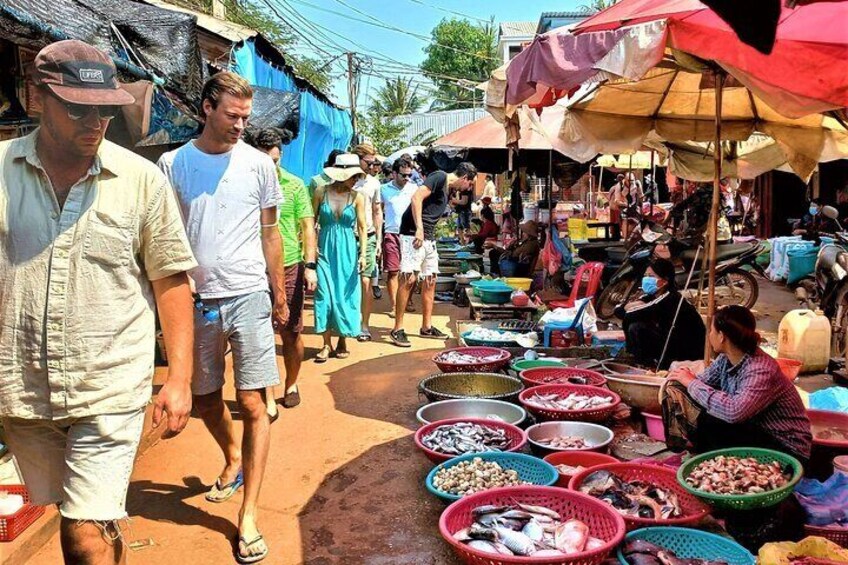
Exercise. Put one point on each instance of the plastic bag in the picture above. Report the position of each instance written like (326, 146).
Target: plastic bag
(825, 503)
(565, 316)
(784, 552)
(834, 399)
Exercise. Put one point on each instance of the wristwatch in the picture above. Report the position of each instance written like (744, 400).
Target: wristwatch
(311, 266)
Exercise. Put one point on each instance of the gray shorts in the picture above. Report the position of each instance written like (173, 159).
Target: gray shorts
(81, 464)
(244, 323)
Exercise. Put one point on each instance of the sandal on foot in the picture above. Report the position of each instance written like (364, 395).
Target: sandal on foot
(323, 355)
(251, 557)
(222, 493)
(343, 354)
(365, 335)
(291, 399)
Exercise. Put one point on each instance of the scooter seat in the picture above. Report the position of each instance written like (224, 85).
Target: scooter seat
(726, 251)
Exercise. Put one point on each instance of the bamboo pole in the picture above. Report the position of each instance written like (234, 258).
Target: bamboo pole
(719, 85)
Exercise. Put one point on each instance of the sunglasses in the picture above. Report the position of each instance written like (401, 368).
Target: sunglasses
(78, 112)
(409, 176)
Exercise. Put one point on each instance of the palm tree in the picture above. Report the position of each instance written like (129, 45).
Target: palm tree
(397, 96)
(595, 6)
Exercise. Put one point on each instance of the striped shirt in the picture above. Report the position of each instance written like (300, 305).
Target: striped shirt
(755, 391)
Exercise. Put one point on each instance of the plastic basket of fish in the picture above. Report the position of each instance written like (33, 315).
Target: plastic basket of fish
(681, 545)
(569, 402)
(531, 524)
(472, 359)
(836, 534)
(561, 375)
(446, 439)
(645, 495)
(476, 472)
(741, 478)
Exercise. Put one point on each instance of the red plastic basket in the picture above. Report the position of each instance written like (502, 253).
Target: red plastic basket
(12, 526)
(574, 458)
(826, 419)
(516, 435)
(603, 521)
(561, 375)
(586, 415)
(692, 507)
(839, 536)
(481, 367)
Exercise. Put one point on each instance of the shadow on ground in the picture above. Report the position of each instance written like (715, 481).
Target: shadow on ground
(375, 510)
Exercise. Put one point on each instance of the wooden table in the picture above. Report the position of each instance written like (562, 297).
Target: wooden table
(481, 311)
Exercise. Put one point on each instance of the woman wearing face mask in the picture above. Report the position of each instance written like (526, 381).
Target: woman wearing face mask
(814, 223)
(743, 398)
(648, 320)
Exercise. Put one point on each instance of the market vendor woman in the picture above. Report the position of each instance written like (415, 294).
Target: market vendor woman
(649, 319)
(742, 399)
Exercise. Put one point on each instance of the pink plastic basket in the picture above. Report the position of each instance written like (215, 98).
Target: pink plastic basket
(692, 508)
(477, 351)
(515, 434)
(586, 415)
(603, 521)
(561, 375)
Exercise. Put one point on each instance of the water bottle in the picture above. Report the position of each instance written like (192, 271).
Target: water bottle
(210, 313)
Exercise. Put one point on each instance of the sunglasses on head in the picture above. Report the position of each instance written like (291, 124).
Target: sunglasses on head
(78, 112)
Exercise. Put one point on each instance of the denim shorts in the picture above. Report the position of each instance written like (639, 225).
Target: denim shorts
(244, 324)
(81, 464)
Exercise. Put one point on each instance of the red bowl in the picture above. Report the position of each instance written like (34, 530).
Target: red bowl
(585, 415)
(692, 507)
(516, 435)
(574, 458)
(828, 419)
(789, 367)
(561, 375)
(603, 521)
(481, 367)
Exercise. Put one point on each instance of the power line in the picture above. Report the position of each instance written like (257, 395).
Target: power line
(450, 11)
(373, 21)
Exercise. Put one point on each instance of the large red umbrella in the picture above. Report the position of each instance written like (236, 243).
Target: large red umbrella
(805, 72)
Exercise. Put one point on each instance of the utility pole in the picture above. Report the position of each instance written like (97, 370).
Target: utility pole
(351, 91)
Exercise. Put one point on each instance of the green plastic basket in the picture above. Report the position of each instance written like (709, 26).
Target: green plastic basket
(743, 501)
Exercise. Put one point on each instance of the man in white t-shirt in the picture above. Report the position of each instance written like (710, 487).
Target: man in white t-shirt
(369, 187)
(396, 196)
(229, 195)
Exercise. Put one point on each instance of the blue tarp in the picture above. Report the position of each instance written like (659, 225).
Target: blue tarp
(322, 126)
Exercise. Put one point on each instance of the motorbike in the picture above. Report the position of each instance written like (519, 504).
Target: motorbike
(827, 289)
(735, 283)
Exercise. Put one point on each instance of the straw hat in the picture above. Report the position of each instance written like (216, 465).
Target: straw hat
(529, 227)
(346, 166)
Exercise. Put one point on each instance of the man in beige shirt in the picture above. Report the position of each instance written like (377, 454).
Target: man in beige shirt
(91, 238)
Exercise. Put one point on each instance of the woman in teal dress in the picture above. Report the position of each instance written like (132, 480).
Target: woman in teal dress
(339, 211)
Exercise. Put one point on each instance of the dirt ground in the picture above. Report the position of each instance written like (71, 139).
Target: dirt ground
(345, 481)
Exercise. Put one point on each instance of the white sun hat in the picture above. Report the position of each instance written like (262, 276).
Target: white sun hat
(345, 166)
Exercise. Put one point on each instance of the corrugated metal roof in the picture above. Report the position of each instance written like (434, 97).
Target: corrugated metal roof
(228, 30)
(517, 29)
(437, 124)
(578, 14)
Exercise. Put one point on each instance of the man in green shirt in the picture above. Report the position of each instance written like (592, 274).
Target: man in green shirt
(297, 228)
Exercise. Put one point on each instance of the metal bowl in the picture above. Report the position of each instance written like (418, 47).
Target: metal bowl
(471, 408)
(445, 284)
(447, 386)
(597, 437)
(637, 391)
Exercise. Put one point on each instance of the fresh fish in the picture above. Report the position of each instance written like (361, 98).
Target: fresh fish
(598, 482)
(488, 509)
(517, 542)
(466, 437)
(462, 535)
(540, 510)
(571, 537)
(572, 401)
(594, 543)
(533, 530)
(483, 545)
(632, 498)
(477, 531)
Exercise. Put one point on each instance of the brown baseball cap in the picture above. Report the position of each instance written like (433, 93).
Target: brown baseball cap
(78, 73)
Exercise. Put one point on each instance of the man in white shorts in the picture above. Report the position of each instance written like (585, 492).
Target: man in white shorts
(92, 242)
(229, 194)
(418, 255)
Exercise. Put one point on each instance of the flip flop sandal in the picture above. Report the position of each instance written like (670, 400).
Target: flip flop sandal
(222, 493)
(364, 336)
(344, 354)
(322, 356)
(250, 557)
(291, 399)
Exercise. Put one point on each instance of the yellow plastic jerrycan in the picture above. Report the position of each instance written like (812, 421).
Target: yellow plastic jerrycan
(804, 335)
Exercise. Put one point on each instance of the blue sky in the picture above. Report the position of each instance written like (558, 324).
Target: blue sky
(328, 27)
